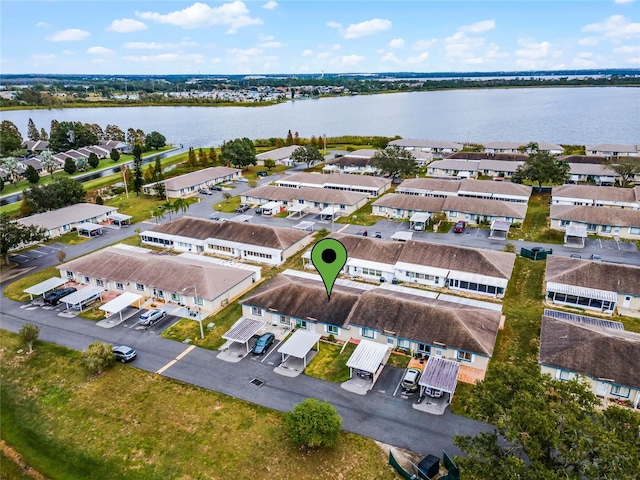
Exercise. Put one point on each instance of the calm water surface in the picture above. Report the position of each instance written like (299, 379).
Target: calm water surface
(589, 115)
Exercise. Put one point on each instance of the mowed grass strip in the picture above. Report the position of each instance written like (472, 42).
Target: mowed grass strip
(131, 424)
(329, 364)
(535, 227)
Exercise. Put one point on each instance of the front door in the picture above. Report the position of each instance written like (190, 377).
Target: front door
(627, 301)
(601, 389)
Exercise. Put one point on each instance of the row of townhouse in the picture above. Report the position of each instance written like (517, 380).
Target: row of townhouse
(391, 315)
(433, 187)
(372, 186)
(190, 183)
(255, 243)
(580, 210)
(438, 266)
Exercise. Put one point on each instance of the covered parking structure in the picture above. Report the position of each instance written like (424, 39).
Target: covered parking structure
(368, 359)
(241, 218)
(271, 208)
(575, 235)
(299, 209)
(88, 229)
(43, 287)
(402, 236)
(499, 229)
(79, 299)
(418, 220)
(118, 304)
(329, 212)
(299, 345)
(305, 226)
(243, 330)
(441, 375)
(119, 219)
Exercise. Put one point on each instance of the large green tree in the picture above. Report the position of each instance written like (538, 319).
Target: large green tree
(70, 135)
(395, 161)
(113, 132)
(138, 180)
(541, 167)
(49, 164)
(11, 168)
(313, 423)
(70, 166)
(10, 137)
(114, 155)
(32, 132)
(307, 154)
(551, 429)
(61, 192)
(154, 140)
(626, 167)
(239, 152)
(94, 161)
(14, 234)
(31, 175)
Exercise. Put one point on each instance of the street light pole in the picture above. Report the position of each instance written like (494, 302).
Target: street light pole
(199, 313)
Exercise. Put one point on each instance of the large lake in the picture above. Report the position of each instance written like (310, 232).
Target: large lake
(588, 115)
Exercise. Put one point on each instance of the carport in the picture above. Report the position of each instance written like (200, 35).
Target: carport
(575, 235)
(79, 299)
(499, 229)
(271, 208)
(119, 219)
(402, 236)
(369, 357)
(418, 221)
(299, 345)
(440, 374)
(89, 229)
(299, 208)
(243, 330)
(118, 304)
(241, 218)
(43, 287)
(328, 213)
(305, 226)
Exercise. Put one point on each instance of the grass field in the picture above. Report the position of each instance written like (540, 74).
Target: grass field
(329, 364)
(535, 227)
(68, 425)
(362, 216)
(15, 290)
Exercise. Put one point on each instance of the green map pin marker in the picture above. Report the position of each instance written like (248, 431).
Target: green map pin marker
(329, 256)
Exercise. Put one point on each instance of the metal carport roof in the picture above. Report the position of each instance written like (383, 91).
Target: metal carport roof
(77, 298)
(576, 231)
(299, 344)
(43, 287)
(120, 302)
(119, 216)
(243, 330)
(500, 225)
(441, 374)
(402, 236)
(367, 356)
(89, 227)
(420, 217)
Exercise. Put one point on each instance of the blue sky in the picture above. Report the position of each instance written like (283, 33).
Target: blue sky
(306, 36)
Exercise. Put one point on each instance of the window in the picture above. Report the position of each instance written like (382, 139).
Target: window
(220, 248)
(367, 332)
(99, 283)
(591, 227)
(564, 223)
(402, 343)
(566, 375)
(384, 209)
(119, 286)
(634, 231)
(140, 287)
(390, 340)
(464, 356)
(606, 229)
(69, 274)
(257, 311)
(453, 214)
(160, 294)
(372, 272)
(301, 324)
(198, 301)
(620, 391)
(285, 320)
(257, 254)
(87, 279)
(332, 330)
(424, 348)
(175, 297)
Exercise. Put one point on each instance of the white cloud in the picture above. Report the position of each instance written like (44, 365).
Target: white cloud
(165, 57)
(533, 55)
(459, 46)
(335, 47)
(323, 55)
(42, 24)
(423, 44)
(187, 42)
(270, 5)
(627, 50)
(396, 43)
(615, 27)
(144, 46)
(390, 57)
(623, 1)
(68, 52)
(350, 60)
(126, 25)
(199, 15)
(422, 58)
(99, 51)
(479, 27)
(247, 52)
(43, 57)
(334, 25)
(368, 27)
(588, 41)
(69, 35)
(307, 52)
(272, 44)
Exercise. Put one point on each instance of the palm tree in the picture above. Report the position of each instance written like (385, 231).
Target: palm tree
(169, 207)
(12, 169)
(180, 205)
(49, 163)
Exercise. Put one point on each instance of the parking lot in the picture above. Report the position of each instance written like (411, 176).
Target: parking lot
(27, 255)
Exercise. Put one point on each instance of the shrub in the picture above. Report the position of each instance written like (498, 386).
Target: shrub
(313, 423)
(97, 357)
(29, 334)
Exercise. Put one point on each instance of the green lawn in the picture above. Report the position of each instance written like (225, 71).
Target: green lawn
(398, 360)
(536, 224)
(362, 216)
(228, 206)
(69, 425)
(251, 173)
(329, 364)
(69, 238)
(10, 470)
(15, 290)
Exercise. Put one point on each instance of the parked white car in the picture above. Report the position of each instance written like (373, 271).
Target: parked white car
(151, 316)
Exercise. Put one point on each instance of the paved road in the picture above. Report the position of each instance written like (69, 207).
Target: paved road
(378, 415)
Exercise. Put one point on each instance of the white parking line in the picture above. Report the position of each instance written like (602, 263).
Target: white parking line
(38, 251)
(400, 382)
(271, 351)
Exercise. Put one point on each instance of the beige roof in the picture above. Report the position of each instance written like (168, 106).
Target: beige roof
(411, 202)
(310, 194)
(338, 179)
(616, 217)
(240, 232)
(201, 176)
(612, 194)
(580, 347)
(165, 272)
(278, 153)
(516, 145)
(77, 213)
(482, 206)
(612, 147)
(509, 157)
(488, 186)
(450, 164)
(439, 144)
(362, 153)
(431, 184)
(591, 169)
(611, 277)
(450, 257)
(501, 165)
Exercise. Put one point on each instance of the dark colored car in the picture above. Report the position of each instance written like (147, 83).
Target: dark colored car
(259, 211)
(202, 191)
(263, 173)
(363, 373)
(362, 233)
(242, 208)
(124, 354)
(216, 188)
(377, 235)
(53, 298)
(460, 226)
(575, 255)
(263, 343)
(596, 258)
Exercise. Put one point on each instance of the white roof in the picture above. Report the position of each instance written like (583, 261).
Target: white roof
(45, 286)
(243, 330)
(420, 217)
(305, 226)
(475, 278)
(581, 291)
(271, 205)
(367, 356)
(329, 210)
(577, 231)
(402, 236)
(500, 225)
(242, 218)
(119, 216)
(298, 207)
(441, 374)
(120, 302)
(81, 295)
(89, 226)
(299, 344)
(67, 215)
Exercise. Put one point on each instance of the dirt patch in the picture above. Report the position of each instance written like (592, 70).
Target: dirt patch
(17, 459)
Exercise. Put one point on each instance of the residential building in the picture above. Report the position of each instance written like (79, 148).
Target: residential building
(165, 278)
(592, 173)
(358, 161)
(460, 269)
(430, 146)
(250, 242)
(514, 147)
(400, 317)
(613, 150)
(372, 186)
(37, 146)
(63, 220)
(605, 221)
(282, 156)
(188, 184)
(598, 352)
(433, 187)
(610, 197)
(601, 286)
(454, 169)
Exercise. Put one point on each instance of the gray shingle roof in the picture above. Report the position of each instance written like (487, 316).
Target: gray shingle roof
(64, 216)
(613, 194)
(337, 178)
(310, 194)
(615, 217)
(482, 206)
(278, 153)
(201, 176)
(411, 202)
